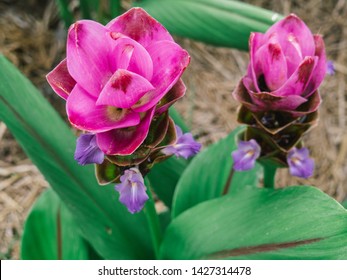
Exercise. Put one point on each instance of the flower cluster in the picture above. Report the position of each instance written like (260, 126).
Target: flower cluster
(119, 81)
(279, 95)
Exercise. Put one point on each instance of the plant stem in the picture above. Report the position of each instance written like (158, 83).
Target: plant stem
(153, 220)
(269, 176)
(228, 182)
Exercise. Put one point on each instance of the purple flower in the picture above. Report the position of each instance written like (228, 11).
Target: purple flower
(132, 190)
(300, 164)
(87, 150)
(246, 154)
(185, 145)
(330, 68)
(287, 65)
(114, 76)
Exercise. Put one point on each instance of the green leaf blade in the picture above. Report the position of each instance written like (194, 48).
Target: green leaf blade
(240, 227)
(210, 175)
(50, 233)
(103, 221)
(220, 22)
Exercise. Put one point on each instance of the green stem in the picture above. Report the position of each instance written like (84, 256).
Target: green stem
(269, 176)
(153, 220)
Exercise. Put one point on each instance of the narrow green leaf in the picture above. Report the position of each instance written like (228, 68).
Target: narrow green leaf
(291, 223)
(178, 119)
(115, 8)
(210, 175)
(65, 14)
(90, 9)
(103, 221)
(344, 204)
(164, 177)
(50, 233)
(219, 22)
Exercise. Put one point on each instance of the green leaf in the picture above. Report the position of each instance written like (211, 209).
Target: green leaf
(102, 220)
(65, 13)
(88, 8)
(344, 204)
(178, 119)
(219, 22)
(115, 8)
(50, 232)
(291, 223)
(164, 177)
(210, 173)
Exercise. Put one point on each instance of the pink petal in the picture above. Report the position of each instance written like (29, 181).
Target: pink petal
(169, 62)
(176, 92)
(85, 115)
(320, 69)
(122, 51)
(60, 80)
(128, 54)
(124, 89)
(140, 26)
(297, 83)
(293, 32)
(88, 55)
(273, 63)
(255, 41)
(265, 101)
(125, 141)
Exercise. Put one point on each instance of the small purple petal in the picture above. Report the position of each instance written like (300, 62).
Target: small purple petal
(330, 68)
(246, 154)
(300, 164)
(132, 190)
(185, 145)
(87, 151)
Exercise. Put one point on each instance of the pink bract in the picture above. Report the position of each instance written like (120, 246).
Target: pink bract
(287, 65)
(114, 76)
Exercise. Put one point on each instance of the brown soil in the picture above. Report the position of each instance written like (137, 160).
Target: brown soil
(34, 41)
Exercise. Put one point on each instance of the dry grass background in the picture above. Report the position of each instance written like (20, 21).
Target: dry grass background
(32, 38)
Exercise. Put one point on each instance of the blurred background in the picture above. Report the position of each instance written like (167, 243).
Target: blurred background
(32, 36)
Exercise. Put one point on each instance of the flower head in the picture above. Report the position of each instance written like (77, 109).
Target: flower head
(87, 150)
(246, 154)
(287, 64)
(114, 76)
(185, 145)
(132, 190)
(300, 164)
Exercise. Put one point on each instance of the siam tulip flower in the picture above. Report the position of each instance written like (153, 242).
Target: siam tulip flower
(246, 154)
(132, 190)
(279, 93)
(300, 164)
(185, 145)
(87, 151)
(330, 68)
(117, 78)
(287, 64)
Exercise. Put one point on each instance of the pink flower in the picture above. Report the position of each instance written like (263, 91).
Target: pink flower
(287, 64)
(115, 78)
